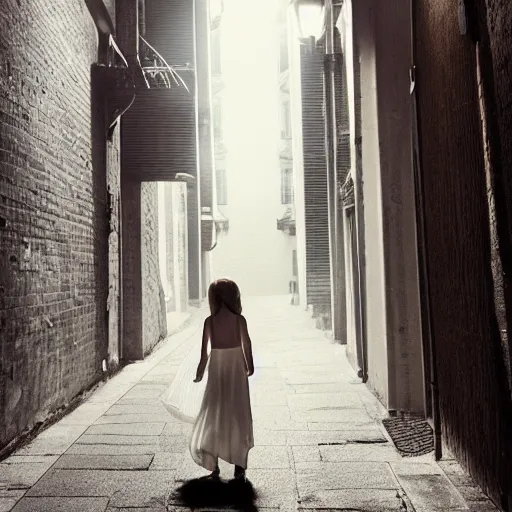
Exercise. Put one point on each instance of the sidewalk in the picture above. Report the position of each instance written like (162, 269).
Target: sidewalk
(319, 441)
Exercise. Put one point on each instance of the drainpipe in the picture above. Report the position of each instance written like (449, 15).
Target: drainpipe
(331, 60)
(428, 335)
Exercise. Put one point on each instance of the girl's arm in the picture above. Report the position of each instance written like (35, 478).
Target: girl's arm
(246, 346)
(204, 351)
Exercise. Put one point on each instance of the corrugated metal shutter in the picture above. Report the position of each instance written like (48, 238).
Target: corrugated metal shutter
(159, 130)
(315, 179)
(159, 134)
(170, 29)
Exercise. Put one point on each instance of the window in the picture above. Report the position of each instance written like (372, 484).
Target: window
(283, 53)
(215, 52)
(217, 120)
(286, 121)
(286, 186)
(222, 187)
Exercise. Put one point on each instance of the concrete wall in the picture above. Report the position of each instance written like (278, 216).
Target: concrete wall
(53, 222)
(364, 14)
(172, 223)
(114, 248)
(394, 59)
(394, 340)
(154, 323)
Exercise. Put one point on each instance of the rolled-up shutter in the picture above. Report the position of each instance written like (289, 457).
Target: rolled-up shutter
(315, 180)
(159, 134)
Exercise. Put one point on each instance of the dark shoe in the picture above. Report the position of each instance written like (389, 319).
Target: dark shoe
(240, 474)
(214, 475)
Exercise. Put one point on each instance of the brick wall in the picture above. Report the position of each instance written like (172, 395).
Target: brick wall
(53, 222)
(114, 270)
(154, 324)
(462, 309)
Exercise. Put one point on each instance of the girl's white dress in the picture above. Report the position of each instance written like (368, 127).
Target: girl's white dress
(219, 406)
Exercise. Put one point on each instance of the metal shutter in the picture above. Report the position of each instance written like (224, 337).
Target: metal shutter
(315, 179)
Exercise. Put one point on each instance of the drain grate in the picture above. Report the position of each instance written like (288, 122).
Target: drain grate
(412, 436)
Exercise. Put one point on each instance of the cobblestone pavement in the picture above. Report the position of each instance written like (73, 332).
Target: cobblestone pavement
(319, 440)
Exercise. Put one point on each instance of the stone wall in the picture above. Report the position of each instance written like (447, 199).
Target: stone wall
(154, 324)
(53, 213)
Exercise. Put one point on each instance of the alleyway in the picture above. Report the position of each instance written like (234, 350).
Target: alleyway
(319, 443)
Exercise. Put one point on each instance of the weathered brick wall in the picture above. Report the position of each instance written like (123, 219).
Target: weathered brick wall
(499, 23)
(114, 270)
(458, 242)
(154, 324)
(53, 222)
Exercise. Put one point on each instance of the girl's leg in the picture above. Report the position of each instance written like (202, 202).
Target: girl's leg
(211, 463)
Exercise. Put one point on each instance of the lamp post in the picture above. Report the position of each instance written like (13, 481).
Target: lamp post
(315, 18)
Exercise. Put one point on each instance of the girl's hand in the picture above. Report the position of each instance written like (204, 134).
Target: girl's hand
(250, 372)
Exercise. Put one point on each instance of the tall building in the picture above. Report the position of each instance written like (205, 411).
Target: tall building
(249, 176)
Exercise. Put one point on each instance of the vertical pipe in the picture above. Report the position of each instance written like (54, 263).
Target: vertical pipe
(426, 320)
(330, 146)
(329, 62)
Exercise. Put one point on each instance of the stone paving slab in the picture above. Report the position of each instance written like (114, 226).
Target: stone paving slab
(125, 488)
(105, 462)
(22, 476)
(309, 409)
(270, 437)
(8, 499)
(330, 437)
(277, 425)
(342, 415)
(154, 408)
(432, 493)
(319, 400)
(46, 447)
(173, 429)
(86, 414)
(264, 398)
(32, 459)
(359, 452)
(161, 417)
(347, 425)
(333, 387)
(127, 429)
(306, 454)
(154, 508)
(275, 488)
(315, 476)
(118, 439)
(168, 461)
(269, 457)
(277, 412)
(355, 500)
(60, 504)
(105, 449)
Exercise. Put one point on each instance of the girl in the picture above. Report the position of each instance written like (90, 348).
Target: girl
(223, 427)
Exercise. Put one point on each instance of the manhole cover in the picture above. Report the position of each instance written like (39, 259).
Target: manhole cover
(412, 437)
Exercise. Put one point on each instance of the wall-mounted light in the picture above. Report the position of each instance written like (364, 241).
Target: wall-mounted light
(310, 16)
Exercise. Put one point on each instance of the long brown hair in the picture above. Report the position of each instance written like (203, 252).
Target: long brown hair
(224, 292)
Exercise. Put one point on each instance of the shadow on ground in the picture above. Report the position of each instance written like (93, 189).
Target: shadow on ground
(208, 493)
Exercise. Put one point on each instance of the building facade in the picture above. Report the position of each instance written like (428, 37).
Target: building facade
(253, 252)
(89, 269)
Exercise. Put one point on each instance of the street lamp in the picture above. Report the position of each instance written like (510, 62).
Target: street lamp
(314, 19)
(310, 17)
